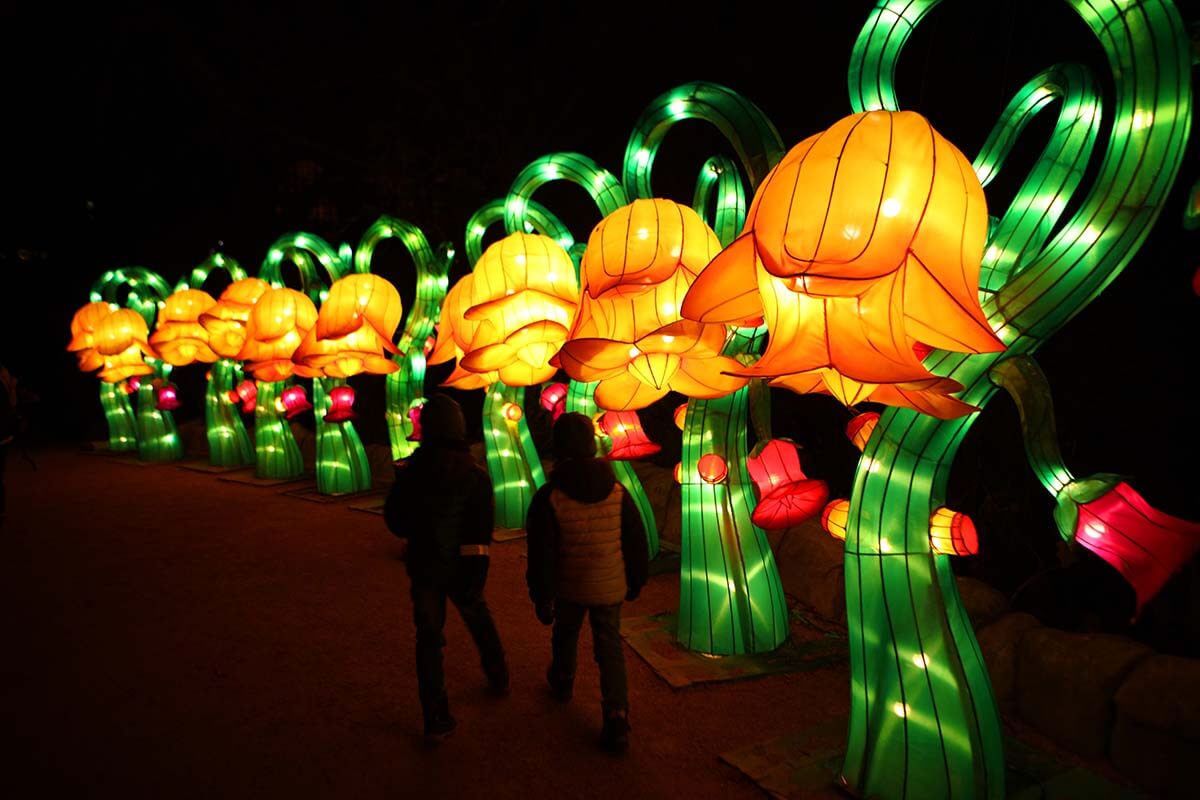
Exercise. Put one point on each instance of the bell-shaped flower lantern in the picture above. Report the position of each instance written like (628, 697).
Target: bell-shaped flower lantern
(278, 322)
(341, 405)
(226, 320)
(121, 340)
(628, 335)
(863, 242)
(83, 335)
(179, 337)
(787, 496)
(629, 439)
(354, 330)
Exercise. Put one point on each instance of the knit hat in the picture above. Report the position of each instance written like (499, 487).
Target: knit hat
(574, 436)
(442, 418)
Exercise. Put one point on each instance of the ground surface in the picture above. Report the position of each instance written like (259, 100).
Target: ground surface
(170, 634)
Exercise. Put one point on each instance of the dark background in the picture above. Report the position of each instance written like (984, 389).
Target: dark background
(147, 136)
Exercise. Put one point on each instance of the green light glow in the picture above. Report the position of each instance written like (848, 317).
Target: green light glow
(118, 413)
(277, 456)
(341, 458)
(157, 438)
(901, 598)
(406, 387)
(512, 460)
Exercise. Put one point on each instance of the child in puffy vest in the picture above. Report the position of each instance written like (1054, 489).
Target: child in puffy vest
(587, 553)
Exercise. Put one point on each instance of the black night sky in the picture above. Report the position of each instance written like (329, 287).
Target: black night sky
(150, 136)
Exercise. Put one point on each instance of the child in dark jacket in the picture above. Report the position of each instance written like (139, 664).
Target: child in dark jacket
(442, 504)
(587, 553)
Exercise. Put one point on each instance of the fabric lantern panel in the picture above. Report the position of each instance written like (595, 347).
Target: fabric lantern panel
(121, 340)
(341, 405)
(629, 439)
(83, 335)
(952, 533)
(786, 496)
(278, 322)
(225, 321)
(353, 331)
(835, 516)
(179, 337)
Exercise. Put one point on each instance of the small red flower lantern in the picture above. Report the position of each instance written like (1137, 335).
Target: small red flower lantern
(168, 398)
(712, 468)
(835, 516)
(414, 416)
(341, 405)
(786, 496)
(860, 428)
(247, 393)
(554, 399)
(133, 384)
(293, 401)
(629, 439)
(952, 533)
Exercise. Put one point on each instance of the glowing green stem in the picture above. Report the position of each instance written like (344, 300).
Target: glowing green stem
(157, 438)
(228, 443)
(277, 456)
(342, 466)
(122, 427)
(512, 460)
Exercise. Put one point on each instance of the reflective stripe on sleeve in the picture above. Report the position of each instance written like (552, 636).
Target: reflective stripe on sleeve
(473, 550)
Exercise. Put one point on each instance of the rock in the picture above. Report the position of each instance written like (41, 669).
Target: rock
(811, 567)
(663, 493)
(307, 442)
(193, 436)
(998, 642)
(983, 603)
(1066, 682)
(379, 456)
(1157, 728)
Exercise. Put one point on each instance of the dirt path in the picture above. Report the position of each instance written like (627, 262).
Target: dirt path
(169, 634)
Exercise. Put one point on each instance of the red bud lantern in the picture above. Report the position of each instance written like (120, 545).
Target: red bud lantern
(712, 468)
(341, 405)
(247, 393)
(786, 496)
(953, 533)
(860, 428)
(168, 398)
(680, 415)
(554, 399)
(834, 518)
(293, 401)
(133, 384)
(629, 439)
(678, 472)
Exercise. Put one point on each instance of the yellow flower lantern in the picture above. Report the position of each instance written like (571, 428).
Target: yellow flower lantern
(83, 335)
(278, 323)
(629, 336)
(354, 328)
(179, 337)
(862, 249)
(952, 533)
(120, 339)
(523, 299)
(454, 334)
(835, 517)
(225, 321)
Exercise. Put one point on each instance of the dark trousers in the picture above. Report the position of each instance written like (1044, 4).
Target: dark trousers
(606, 647)
(429, 613)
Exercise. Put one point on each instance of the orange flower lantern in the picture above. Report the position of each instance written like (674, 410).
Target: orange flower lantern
(952, 533)
(179, 337)
(120, 339)
(860, 428)
(787, 496)
(225, 321)
(278, 323)
(680, 415)
(454, 335)
(629, 439)
(629, 336)
(354, 328)
(83, 335)
(834, 518)
(864, 241)
(523, 298)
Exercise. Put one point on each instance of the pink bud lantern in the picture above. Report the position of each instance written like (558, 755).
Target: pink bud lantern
(246, 393)
(414, 416)
(787, 496)
(629, 439)
(168, 398)
(133, 384)
(341, 405)
(293, 401)
(554, 399)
